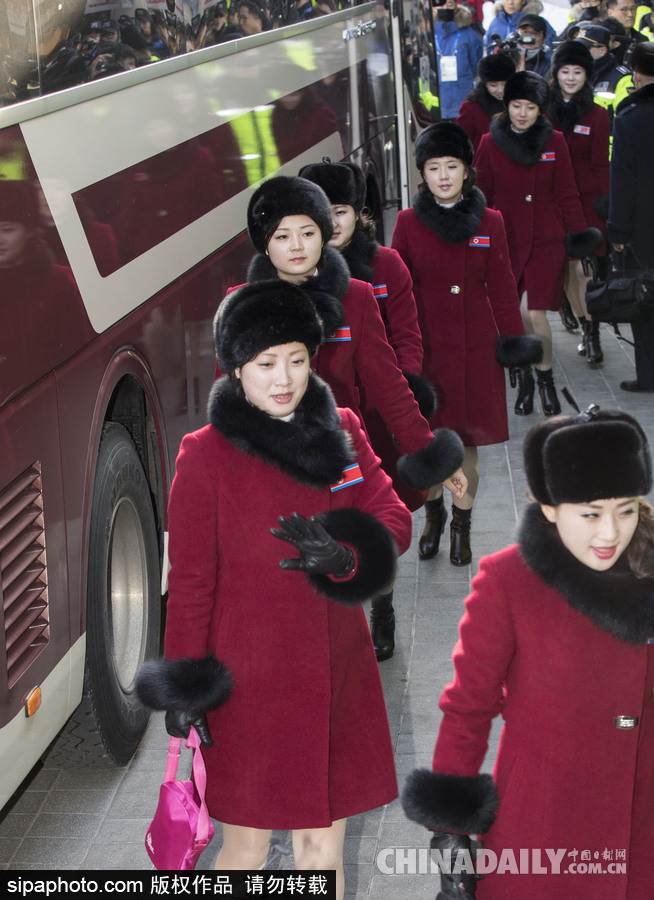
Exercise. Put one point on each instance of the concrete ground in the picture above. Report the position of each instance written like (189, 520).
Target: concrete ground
(67, 817)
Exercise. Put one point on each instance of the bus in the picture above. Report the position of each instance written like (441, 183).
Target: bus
(123, 204)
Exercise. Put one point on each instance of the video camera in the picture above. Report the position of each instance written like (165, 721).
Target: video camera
(512, 45)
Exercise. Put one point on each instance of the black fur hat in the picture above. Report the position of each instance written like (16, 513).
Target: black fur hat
(286, 195)
(495, 67)
(261, 315)
(572, 53)
(443, 139)
(597, 455)
(527, 86)
(343, 182)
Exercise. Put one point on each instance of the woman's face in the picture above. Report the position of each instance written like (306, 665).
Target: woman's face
(496, 89)
(14, 240)
(295, 248)
(571, 80)
(444, 176)
(523, 114)
(276, 379)
(344, 218)
(597, 533)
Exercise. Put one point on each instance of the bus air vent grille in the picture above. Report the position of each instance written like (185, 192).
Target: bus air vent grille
(23, 585)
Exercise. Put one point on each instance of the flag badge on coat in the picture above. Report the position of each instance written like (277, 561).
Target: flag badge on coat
(380, 291)
(341, 334)
(479, 240)
(582, 129)
(550, 156)
(351, 475)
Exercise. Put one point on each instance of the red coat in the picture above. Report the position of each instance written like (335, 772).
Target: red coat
(460, 329)
(540, 204)
(588, 143)
(303, 739)
(393, 289)
(567, 776)
(474, 120)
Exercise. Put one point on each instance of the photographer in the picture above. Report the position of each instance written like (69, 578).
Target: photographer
(535, 53)
(508, 13)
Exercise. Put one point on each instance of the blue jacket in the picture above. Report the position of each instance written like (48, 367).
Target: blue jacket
(466, 44)
(504, 24)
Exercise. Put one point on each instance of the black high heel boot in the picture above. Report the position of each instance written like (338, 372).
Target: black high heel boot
(382, 626)
(460, 552)
(582, 347)
(430, 538)
(524, 377)
(548, 397)
(568, 318)
(594, 353)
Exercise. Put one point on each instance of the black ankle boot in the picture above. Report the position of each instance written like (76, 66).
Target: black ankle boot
(582, 348)
(430, 538)
(524, 404)
(548, 398)
(594, 353)
(567, 316)
(460, 552)
(382, 626)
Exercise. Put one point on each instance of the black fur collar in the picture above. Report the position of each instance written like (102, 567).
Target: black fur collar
(455, 223)
(524, 148)
(312, 448)
(359, 255)
(480, 95)
(616, 601)
(326, 289)
(564, 115)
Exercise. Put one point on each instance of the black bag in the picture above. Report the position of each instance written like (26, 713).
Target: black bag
(627, 295)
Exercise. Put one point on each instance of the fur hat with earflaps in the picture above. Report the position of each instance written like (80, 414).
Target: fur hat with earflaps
(443, 139)
(597, 455)
(343, 182)
(261, 315)
(282, 196)
(527, 86)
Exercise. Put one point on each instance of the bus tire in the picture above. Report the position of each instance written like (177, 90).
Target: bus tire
(123, 616)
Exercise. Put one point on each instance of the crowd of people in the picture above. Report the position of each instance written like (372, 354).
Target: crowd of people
(354, 383)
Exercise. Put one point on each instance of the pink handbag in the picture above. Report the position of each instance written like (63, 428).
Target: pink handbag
(181, 828)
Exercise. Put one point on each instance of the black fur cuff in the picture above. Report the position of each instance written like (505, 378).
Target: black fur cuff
(466, 804)
(375, 551)
(434, 463)
(518, 350)
(193, 685)
(424, 393)
(582, 243)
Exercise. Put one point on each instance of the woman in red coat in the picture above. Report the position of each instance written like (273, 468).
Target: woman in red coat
(469, 314)
(524, 171)
(290, 224)
(485, 100)
(558, 638)
(354, 238)
(586, 128)
(302, 740)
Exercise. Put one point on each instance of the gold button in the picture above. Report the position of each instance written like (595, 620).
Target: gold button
(528, 198)
(455, 289)
(625, 723)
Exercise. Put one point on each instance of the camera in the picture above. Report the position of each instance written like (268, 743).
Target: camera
(513, 44)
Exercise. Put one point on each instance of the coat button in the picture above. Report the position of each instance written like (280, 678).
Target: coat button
(455, 289)
(625, 723)
(528, 198)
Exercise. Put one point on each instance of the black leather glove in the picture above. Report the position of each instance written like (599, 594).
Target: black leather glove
(320, 553)
(178, 724)
(513, 375)
(459, 885)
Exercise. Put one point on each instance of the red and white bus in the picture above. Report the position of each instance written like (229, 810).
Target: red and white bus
(122, 212)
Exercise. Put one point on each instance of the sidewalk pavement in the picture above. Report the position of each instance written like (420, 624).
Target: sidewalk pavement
(67, 817)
